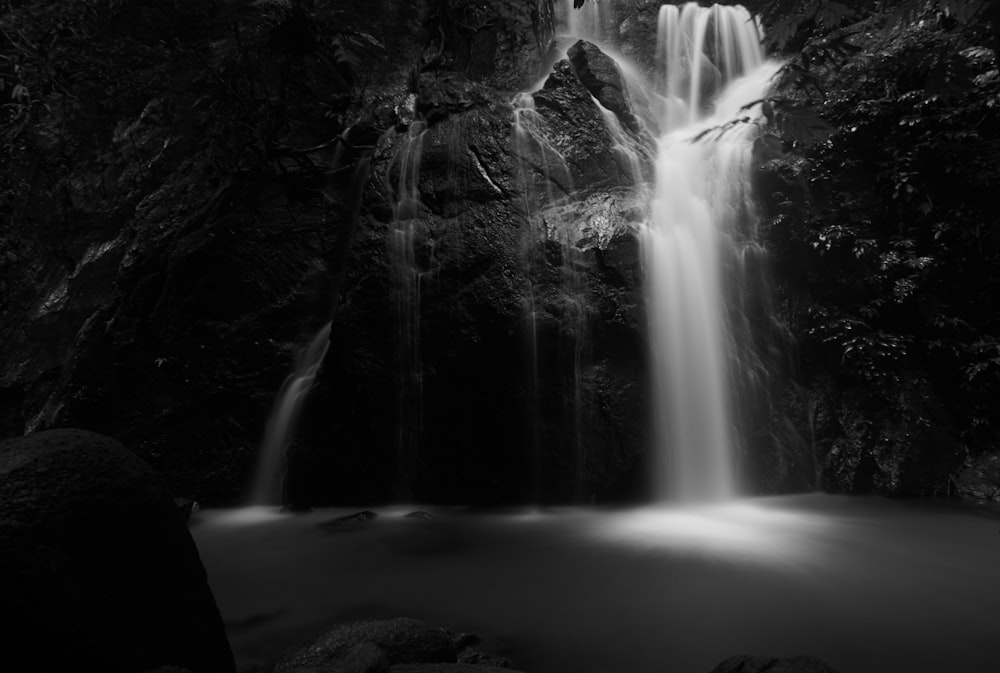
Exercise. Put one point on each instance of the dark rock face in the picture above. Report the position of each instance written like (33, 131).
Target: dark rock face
(603, 78)
(160, 298)
(202, 239)
(485, 425)
(401, 640)
(97, 564)
(578, 132)
(762, 664)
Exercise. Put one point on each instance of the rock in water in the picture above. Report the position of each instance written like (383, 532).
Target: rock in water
(349, 522)
(98, 568)
(761, 664)
(403, 640)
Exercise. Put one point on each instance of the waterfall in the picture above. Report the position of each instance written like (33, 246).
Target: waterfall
(712, 66)
(407, 278)
(283, 419)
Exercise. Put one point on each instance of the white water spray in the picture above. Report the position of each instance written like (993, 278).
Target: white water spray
(712, 66)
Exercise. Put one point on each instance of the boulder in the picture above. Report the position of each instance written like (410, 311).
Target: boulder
(603, 78)
(763, 664)
(349, 522)
(578, 133)
(402, 640)
(98, 567)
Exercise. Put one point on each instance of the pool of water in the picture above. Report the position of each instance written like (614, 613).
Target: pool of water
(866, 584)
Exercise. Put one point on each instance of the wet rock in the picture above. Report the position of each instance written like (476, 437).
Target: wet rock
(97, 564)
(764, 664)
(637, 34)
(349, 522)
(577, 132)
(402, 640)
(603, 78)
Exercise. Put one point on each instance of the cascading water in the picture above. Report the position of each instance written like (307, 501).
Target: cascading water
(269, 479)
(547, 186)
(284, 417)
(713, 66)
(528, 139)
(408, 276)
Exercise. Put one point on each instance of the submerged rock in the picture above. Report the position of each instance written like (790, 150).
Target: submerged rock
(97, 563)
(762, 664)
(402, 640)
(349, 522)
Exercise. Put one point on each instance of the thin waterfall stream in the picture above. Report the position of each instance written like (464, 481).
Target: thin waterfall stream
(404, 230)
(280, 431)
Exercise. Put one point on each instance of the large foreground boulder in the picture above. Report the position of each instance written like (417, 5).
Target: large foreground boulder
(98, 570)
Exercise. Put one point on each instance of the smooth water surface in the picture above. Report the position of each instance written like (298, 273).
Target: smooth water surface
(868, 585)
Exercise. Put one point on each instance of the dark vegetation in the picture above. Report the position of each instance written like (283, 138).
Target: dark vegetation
(885, 236)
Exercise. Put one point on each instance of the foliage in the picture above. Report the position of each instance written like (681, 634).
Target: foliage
(882, 225)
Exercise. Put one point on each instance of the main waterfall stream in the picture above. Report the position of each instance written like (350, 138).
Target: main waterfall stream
(713, 67)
